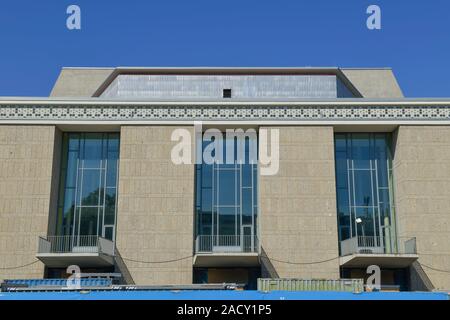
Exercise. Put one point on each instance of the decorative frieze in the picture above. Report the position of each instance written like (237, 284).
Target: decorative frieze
(152, 112)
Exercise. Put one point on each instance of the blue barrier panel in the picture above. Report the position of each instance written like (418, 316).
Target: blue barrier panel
(84, 282)
(221, 295)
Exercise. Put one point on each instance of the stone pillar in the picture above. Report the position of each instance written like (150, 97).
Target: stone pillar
(298, 221)
(26, 165)
(155, 207)
(422, 188)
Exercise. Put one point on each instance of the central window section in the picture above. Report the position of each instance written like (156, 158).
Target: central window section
(87, 199)
(364, 181)
(226, 194)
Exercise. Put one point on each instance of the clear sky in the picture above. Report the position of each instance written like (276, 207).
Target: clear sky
(35, 42)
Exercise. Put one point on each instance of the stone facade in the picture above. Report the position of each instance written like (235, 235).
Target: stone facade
(422, 175)
(155, 209)
(26, 160)
(298, 206)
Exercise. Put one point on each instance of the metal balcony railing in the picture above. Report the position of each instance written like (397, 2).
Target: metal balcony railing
(226, 244)
(75, 244)
(378, 245)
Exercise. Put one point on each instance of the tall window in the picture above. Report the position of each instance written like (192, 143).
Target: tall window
(226, 196)
(364, 187)
(88, 185)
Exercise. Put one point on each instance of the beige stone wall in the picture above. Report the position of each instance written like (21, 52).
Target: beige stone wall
(155, 207)
(298, 221)
(422, 176)
(79, 82)
(374, 83)
(26, 158)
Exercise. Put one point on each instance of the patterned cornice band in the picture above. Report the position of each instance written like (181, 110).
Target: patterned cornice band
(152, 112)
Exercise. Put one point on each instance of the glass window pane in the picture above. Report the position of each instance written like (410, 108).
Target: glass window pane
(363, 188)
(69, 200)
(72, 165)
(340, 143)
(344, 232)
(342, 201)
(113, 142)
(111, 172)
(74, 142)
(205, 220)
(380, 146)
(93, 153)
(90, 187)
(227, 188)
(382, 174)
(109, 231)
(255, 187)
(64, 154)
(206, 200)
(230, 151)
(246, 175)
(110, 205)
(61, 190)
(367, 225)
(361, 150)
(341, 173)
(227, 220)
(341, 156)
(247, 206)
(88, 221)
(206, 176)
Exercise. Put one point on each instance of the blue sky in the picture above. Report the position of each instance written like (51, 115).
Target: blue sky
(35, 43)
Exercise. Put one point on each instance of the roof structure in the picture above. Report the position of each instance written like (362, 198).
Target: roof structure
(92, 82)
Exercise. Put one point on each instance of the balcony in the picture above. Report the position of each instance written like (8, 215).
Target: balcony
(226, 251)
(363, 251)
(84, 251)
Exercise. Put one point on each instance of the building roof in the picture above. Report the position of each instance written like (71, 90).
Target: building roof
(91, 82)
(374, 83)
(79, 82)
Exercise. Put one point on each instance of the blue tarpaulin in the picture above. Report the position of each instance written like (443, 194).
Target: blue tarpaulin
(220, 295)
(84, 282)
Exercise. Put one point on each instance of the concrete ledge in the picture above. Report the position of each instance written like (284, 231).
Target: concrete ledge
(226, 260)
(381, 260)
(63, 260)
